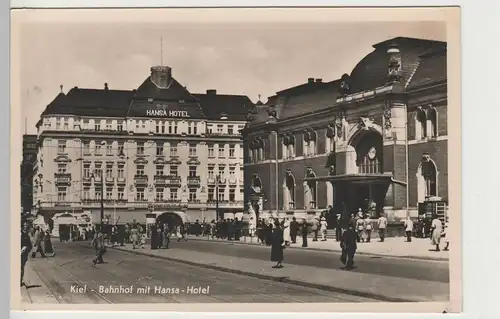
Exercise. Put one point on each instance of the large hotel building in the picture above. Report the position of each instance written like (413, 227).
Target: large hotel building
(376, 137)
(156, 148)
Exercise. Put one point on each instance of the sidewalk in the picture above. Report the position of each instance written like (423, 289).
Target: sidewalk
(35, 291)
(397, 247)
(377, 287)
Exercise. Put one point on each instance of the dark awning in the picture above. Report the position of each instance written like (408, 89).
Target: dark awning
(359, 178)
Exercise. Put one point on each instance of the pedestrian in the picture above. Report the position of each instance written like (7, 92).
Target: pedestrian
(446, 235)
(294, 229)
(26, 247)
(436, 231)
(368, 229)
(37, 242)
(154, 237)
(144, 236)
(360, 228)
(338, 227)
(277, 245)
(381, 226)
(348, 243)
(47, 245)
(99, 246)
(323, 228)
(286, 231)
(315, 228)
(268, 232)
(408, 229)
(304, 232)
(134, 236)
(166, 236)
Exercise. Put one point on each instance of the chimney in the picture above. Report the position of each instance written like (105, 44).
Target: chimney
(105, 86)
(319, 80)
(161, 76)
(310, 80)
(212, 92)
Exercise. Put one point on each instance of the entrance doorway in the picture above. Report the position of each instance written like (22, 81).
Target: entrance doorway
(350, 196)
(172, 219)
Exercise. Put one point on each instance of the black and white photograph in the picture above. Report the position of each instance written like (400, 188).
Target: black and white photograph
(226, 156)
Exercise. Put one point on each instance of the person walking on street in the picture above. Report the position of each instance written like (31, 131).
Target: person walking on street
(286, 231)
(99, 246)
(368, 229)
(446, 235)
(134, 236)
(294, 229)
(154, 236)
(26, 247)
(408, 229)
(437, 228)
(323, 228)
(315, 228)
(348, 243)
(360, 228)
(37, 242)
(166, 236)
(47, 245)
(381, 226)
(338, 228)
(277, 245)
(305, 232)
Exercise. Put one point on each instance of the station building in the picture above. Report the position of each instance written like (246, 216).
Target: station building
(376, 137)
(155, 148)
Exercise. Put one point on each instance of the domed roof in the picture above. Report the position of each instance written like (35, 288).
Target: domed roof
(371, 71)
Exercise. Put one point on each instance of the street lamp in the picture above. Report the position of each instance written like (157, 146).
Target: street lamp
(217, 180)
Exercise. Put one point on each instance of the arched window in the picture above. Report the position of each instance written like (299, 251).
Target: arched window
(420, 124)
(284, 146)
(306, 136)
(289, 191)
(330, 140)
(429, 174)
(260, 143)
(291, 146)
(369, 153)
(313, 140)
(310, 189)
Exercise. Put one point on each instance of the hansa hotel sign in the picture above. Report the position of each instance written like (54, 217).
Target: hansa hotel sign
(162, 110)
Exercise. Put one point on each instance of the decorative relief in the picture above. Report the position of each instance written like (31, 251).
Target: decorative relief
(365, 123)
(345, 87)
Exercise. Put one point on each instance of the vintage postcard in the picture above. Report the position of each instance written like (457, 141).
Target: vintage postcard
(236, 159)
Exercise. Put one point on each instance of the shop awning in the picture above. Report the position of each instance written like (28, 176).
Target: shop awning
(358, 178)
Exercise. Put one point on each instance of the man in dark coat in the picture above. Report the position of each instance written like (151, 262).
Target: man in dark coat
(99, 246)
(294, 229)
(348, 244)
(154, 237)
(26, 247)
(305, 232)
(277, 246)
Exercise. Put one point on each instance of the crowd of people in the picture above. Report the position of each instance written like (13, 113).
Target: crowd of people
(34, 241)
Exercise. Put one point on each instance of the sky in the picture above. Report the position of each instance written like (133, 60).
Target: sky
(246, 58)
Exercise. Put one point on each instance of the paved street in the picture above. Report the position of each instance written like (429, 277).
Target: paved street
(378, 265)
(61, 278)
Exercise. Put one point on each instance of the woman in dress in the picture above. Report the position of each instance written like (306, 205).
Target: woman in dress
(436, 231)
(277, 245)
(47, 245)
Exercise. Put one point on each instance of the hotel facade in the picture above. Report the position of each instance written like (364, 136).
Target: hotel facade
(375, 138)
(155, 148)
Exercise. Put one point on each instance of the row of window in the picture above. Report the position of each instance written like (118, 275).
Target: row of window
(161, 127)
(160, 194)
(160, 170)
(108, 149)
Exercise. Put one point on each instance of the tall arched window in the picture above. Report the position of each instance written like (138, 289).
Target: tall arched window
(307, 138)
(289, 191)
(429, 173)
(432, 122)
(313, 142)
(284, 146)
(330, 140)
(310, 189)
(291, 146)
(427, 178)
(420, 124)
(260, 144)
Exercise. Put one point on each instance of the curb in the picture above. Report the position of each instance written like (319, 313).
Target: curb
(328, 250)
(357, 293)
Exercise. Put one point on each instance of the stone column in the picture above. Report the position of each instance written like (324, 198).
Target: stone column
(329, 193)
